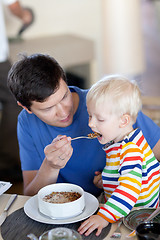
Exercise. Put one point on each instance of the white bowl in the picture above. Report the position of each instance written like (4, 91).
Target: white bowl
(61, 210)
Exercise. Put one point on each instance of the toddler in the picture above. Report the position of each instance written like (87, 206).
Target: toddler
(131, 176)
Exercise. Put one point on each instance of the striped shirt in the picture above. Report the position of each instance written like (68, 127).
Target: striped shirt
(131, 177)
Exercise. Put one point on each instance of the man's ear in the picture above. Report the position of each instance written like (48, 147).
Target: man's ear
(125, 120)
(24, 107)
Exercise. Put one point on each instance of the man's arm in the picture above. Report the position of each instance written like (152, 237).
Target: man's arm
(33, 181)
(156, 150)
(57, 154)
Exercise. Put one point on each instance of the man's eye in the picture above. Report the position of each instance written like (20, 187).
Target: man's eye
(66, 95)
(48, 109)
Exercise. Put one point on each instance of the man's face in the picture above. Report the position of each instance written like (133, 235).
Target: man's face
(58, 109)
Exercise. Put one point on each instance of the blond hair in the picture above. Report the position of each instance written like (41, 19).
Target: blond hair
(119, 92)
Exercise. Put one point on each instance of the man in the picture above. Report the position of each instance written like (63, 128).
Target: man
(52, 115)
(9, 156)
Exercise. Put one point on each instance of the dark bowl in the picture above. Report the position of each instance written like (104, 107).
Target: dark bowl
(148, 231)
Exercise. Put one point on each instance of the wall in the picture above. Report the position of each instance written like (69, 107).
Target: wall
(78, 17)
(122, 39)
(54, 17)
(59, 16)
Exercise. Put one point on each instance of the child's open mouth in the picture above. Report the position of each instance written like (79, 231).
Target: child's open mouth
(95, 135)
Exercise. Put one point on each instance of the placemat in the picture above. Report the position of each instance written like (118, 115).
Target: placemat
(18, 225)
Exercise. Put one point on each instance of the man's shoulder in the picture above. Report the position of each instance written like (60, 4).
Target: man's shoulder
(22, 114)
(25, 116)
(78, 90)
(150, 129)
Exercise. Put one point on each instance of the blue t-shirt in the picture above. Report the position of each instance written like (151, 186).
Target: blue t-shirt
(88, 156)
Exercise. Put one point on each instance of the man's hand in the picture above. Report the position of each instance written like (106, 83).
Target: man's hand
(59, 152)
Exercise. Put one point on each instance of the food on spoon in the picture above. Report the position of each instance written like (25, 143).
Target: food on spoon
(61, 197)
(94, 135)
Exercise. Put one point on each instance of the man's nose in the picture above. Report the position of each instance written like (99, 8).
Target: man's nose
(61, 111)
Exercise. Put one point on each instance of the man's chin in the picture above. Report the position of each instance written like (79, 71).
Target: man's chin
(66, 123)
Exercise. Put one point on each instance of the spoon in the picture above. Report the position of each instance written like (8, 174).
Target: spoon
(89, 136)
(83, 137)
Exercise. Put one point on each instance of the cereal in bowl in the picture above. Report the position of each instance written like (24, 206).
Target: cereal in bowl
(62, 197)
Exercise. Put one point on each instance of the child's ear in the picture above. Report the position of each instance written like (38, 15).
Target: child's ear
(125, 120)
(24, 107)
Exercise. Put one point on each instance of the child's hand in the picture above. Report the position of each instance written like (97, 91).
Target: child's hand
(91, 224)
(98, 179)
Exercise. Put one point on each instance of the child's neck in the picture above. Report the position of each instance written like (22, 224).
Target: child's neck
(125, 132)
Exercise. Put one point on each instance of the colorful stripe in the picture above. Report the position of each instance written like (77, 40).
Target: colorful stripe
(131, 177)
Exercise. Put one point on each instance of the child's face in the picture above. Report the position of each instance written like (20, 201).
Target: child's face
(106, 124)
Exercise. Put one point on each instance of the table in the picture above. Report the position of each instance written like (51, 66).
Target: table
(20, 201)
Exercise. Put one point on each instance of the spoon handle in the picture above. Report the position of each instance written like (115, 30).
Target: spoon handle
(80, 138)
(154, 214)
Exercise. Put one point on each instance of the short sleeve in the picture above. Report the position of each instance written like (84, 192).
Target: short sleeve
(30, 156)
